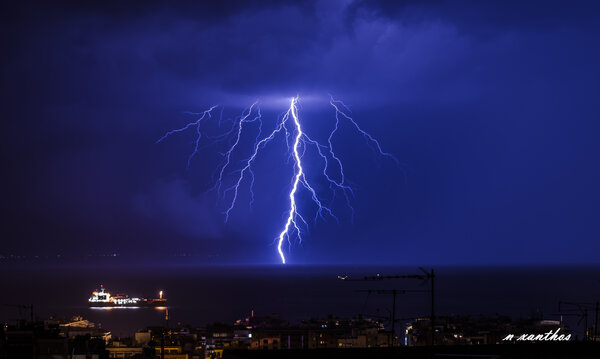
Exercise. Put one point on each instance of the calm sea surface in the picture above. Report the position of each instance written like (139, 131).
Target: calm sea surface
(199, 295)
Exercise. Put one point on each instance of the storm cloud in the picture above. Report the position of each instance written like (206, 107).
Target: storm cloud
(492, 108)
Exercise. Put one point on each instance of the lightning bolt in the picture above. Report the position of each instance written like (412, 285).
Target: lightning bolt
(288, 125)
(196, 124)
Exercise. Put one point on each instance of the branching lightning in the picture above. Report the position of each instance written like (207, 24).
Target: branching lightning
(289, 126)
(196, 123)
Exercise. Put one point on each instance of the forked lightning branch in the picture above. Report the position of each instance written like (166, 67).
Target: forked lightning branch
(289, 126)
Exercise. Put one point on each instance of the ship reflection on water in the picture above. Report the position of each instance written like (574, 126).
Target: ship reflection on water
(124, 307)
(125, 314)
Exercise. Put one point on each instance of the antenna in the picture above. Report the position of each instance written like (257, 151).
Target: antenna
(580, 310)
(425, 277)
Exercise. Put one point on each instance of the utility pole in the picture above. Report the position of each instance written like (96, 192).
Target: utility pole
(162, 337)
(596, 323)
(432, 308)
(392, 342)
(162, 344)
(424, 277)
(393, 292)
(580, 310)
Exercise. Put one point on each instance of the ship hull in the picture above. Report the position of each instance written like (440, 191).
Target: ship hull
(146, 303)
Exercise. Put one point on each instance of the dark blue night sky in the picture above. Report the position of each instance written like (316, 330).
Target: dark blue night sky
(492, 109)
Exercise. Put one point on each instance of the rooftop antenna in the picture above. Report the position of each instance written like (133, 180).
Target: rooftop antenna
(580, 310)
(426, 276)
(25, 308)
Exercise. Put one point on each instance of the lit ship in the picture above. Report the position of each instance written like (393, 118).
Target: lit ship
(103, 298)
